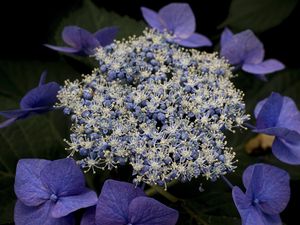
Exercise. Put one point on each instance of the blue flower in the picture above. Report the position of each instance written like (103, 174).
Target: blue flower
(82, 42)
(161, 108)
(38, 100)
(48, 191)
(179, 20)
(245, 50)
(267, 195)
(122, 203)
(278, 116)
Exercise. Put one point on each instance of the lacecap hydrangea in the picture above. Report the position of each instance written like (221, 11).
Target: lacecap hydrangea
(159, 107)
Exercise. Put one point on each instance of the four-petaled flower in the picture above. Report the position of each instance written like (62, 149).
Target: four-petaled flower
(122, 203)
(82, 42)
(267, 195)
(279, 116)
(48, 191)
(38, 100)
(245, 50)
(177, 19)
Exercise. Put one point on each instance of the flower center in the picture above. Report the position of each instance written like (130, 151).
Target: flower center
(53, 197)
(256, 201)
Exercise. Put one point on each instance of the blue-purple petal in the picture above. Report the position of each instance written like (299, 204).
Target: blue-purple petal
(246, 210)
(253, 48)
(226, 36)
(153, 19)
(179, 19)
(7, 122)
(259, 106)
(68, 204)
(250, 214)
(270, 219)
(42, 96)
(63, 49)
(243, 47)
(148, 211)
(16, 113)
(287, 151)
(269, 185)
(82, 42)
(289, 116)
(88, 217)
(194, 41)
(28, 185)
(89, 43)
(72, 36)
(265, 67)
(233, 51)
(254, 216)
(106, 35)
(276, 131)
(113, 203)
(279, 116)
(270, 111)
(63, 177)
(37, 215)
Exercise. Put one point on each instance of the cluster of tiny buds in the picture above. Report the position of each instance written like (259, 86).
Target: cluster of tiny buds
(156, 106)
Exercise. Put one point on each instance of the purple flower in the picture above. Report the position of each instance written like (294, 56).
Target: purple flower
(267, 195)
(179, 20)
(278, 116)
(38, 100)
(48, 191)
(82, 42)
(122, 203)
(245, 50)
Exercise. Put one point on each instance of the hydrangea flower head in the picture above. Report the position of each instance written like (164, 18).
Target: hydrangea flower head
(156, 106)
(122, 203)
(245, 50)
(38, 100)
(279, 116)
(267, 195)
(82, 42)
(177, 19)
(48, 191)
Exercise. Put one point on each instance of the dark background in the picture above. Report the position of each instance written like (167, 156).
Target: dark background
(26, 25)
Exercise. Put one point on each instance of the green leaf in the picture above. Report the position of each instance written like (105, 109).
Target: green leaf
(258, 15)
(39, 136)
(93, 18)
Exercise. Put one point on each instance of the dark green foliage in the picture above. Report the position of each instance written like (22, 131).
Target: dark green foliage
(258, 15)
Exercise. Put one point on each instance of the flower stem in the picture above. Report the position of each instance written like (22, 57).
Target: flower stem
(162, 192)
(249, 125)
(227, 182)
